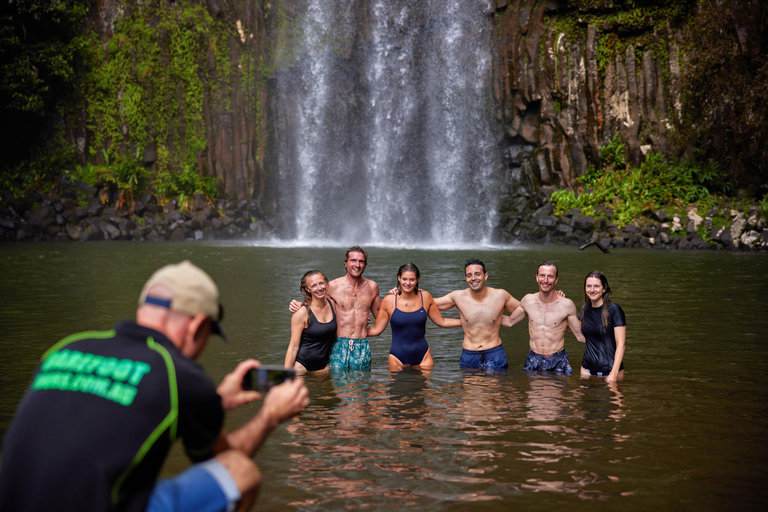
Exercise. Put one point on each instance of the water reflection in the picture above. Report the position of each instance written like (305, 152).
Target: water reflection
(674, 431)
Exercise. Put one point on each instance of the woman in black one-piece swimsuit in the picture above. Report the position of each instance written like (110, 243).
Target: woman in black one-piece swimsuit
(313, 327)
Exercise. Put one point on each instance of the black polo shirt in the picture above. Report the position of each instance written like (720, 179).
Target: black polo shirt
(99, 418)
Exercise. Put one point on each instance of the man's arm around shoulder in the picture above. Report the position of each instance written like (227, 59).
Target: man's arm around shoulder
(446, 301)
(574, 324)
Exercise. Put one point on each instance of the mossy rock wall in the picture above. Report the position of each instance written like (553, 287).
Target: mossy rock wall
(178, 84)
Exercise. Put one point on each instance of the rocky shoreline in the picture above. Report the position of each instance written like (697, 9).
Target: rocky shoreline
(733, 225)
(78, 212)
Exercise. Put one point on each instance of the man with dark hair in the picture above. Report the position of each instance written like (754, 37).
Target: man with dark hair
(103, 409)
(355, 298)
(480, 309)
(549, 314)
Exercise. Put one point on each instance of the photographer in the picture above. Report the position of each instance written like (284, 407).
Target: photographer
(104, 408)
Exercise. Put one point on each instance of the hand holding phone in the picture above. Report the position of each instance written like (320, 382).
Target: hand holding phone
(265, 377)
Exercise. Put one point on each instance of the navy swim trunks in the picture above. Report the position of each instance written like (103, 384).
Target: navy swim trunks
(557, 362)
(492, 359)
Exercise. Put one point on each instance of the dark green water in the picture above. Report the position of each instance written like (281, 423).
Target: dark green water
(687, 428)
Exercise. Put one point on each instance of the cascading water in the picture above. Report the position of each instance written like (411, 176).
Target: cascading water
(384, 132)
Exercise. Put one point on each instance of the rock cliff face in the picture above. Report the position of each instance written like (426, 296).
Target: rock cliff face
(564, 87)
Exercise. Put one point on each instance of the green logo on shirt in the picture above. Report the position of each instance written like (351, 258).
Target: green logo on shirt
(107, 377)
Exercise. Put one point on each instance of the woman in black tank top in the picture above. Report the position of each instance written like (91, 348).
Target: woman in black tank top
(313, 327)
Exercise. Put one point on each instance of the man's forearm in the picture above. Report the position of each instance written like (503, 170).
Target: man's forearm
(249, 438)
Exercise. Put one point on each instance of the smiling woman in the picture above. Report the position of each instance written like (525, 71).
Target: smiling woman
(408, 319)
(605, 328)
(313, 327)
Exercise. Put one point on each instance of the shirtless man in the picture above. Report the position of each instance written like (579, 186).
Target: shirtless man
(548, 316)
(480, 308)
(355, 297)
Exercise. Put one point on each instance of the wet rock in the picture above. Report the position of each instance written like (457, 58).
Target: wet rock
(94, 207)
(695, 218)
(91, 232)
(651, 230)
(750, 239)
(732, 235)
(74, 232)
(177, 234)
(42, 217)
(584, 223)
(154, 236)
(548, 222)
(544, 211)
(661, 215)
(564, 230)
(677, 223)
(110, 230)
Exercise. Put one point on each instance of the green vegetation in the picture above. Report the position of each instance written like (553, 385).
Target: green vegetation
(43, 54)
(656, 184)
(146, 90)
(143, 89)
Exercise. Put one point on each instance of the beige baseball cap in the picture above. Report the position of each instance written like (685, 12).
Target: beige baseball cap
(193, 291)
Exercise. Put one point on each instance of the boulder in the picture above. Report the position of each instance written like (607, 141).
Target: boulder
(42, 217)
(584, 223)
(750, 239)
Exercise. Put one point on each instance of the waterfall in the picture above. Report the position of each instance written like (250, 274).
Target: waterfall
(385, 132)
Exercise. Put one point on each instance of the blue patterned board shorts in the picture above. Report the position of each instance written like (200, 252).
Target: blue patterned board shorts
(557, 362)
(350, 354)
(492, 359)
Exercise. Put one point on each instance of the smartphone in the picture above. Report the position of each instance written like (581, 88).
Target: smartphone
(263, 378)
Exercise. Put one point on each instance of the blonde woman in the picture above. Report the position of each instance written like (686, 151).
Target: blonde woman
(313, 326)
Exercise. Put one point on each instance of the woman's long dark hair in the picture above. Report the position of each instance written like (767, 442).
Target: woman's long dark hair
(604, 315)
(408, 267)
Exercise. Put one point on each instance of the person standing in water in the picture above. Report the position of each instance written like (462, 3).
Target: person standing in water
(605, 329)
(480, 308)
(313, 327)
(407, 312)
(549, 313)
(356, 297)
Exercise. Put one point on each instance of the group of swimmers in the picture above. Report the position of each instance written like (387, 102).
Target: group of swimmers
(330, 327)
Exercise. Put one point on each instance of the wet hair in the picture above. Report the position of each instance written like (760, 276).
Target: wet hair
(359, 249)
(547, 263)
(473, 261)
(306, 294)
(604, 315)
(408, 267)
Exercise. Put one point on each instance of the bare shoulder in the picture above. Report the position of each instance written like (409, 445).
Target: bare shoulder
(528, 299)
(568, 304)
(371, 284)
(500, 293)
(300, 315)
(458, 295)
(335, 283)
